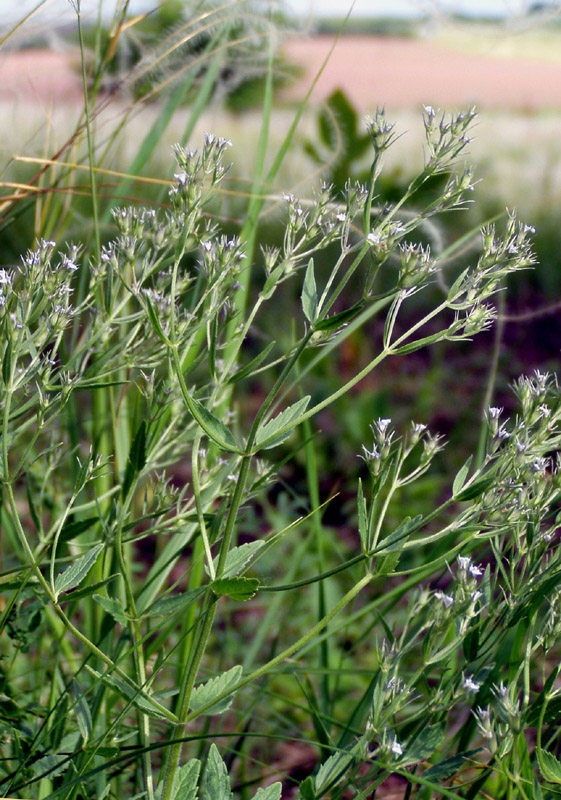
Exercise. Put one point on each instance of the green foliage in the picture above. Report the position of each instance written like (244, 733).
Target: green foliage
(168, 600)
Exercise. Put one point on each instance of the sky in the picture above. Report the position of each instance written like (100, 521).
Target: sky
(13, 10)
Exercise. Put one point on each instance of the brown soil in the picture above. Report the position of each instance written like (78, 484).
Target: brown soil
(45, 77)
(397, 73)
(400, 73)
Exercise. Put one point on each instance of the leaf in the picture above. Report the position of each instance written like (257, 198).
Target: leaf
(331, 771)
(166, 606)
(476, 489)
(136, 460)
(362, 518)
(204, 694)
(76, 572)
(423, 746)
(113, 606)
(395, 541)
(338, 320)
(448, 767)
(550, 766)
(310, 293)
(73, 528)
(212, 426)
(216, 782)
(265, 438)
(240, 589)
(129, 692)
(460, 478)
(152, 316)
(186, 781)
(272, 279)
(238, 557)
(86, 591)
(246, 371)
(306, 789)
(7, 362)
(272, 792)
(82, 711)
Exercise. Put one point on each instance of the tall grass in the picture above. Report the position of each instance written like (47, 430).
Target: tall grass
(176, 622)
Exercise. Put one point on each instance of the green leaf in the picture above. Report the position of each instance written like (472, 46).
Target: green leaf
(204, 694)
(186, 781)
(86, 591)
(7, 362)
(306, 789)
(550, 766)
(423, 746)
(155, 322)
(395, 541)
(475, 489)
(238, 557)
(76, 572)
(129, 692)
(136, 460)
(212, 426)
(82, 711)
(246, 371)
(216, 782)
(73, 528)
(362, 518)
(310, 293)
(272, 279)
(240, 589)
(265, 438)
(272, 792)
(337, 320)
(331, 771)
(460, 478)
(166, 606)
(450, 766)
(113, 606)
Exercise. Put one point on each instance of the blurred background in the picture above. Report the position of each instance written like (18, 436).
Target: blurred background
(154, 78)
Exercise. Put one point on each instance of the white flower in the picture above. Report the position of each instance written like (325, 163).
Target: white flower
(5, 277)
(476, 571)
(446, 599)
(495, 412)
(396, 748)
(382, 424)
(464, 562)
(373, 238)
(471, 685)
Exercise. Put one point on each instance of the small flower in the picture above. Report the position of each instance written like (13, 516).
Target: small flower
(464, 562)
(471, 685)
(474, 570)
(447, 600)
(396, 748)
(5, 277)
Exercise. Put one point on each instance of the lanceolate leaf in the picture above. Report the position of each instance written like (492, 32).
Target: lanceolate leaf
(202, 695)
(216, 782)
(550, 766)
(113, 606)
(136, 459)
(272, 792)
(186, 781)
(76, 572)
(310, 293)
(238, 557)
(175, 602)
(82, 711)
(240, 589)
(266, 437)
(212, 426)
